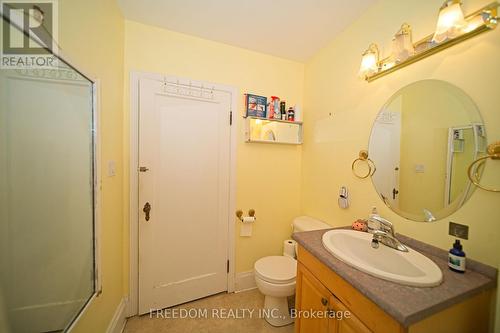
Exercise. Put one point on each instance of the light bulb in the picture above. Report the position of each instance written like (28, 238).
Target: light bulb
(369, 62)
(402, 45)
(451, 21)
(474, 23)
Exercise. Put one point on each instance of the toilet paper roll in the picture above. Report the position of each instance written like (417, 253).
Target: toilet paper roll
(246, 227)
(289, 247)
(246, 230)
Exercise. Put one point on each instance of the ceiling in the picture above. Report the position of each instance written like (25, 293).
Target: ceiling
(293, 29)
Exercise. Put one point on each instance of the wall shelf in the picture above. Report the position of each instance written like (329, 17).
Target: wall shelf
(273, 131)
(277, 120)
(274, 142)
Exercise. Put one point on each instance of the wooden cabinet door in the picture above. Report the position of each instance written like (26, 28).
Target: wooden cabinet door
(344, 325)
(312, 298)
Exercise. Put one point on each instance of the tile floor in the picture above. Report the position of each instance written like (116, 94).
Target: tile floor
(220, 305)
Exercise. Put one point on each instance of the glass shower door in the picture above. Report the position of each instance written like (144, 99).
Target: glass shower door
(47, 184)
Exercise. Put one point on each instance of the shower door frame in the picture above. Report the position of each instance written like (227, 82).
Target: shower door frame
(97, 188)
(96, 192)
(96, 172)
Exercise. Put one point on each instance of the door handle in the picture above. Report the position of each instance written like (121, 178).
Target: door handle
(324, 301)
(394, 193)
(146, 210)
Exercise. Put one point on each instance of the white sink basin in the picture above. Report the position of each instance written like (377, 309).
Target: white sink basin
(408, 268)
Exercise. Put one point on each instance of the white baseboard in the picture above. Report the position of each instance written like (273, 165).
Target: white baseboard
(117, 324)
(245, 281)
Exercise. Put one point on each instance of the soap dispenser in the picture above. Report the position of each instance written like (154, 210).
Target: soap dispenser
(456, 258)
(373, 225)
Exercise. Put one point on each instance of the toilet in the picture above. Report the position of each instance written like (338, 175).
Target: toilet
(275, 277)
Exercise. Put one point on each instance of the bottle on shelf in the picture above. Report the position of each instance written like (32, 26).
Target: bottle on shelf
(283, 110)
(291, 114)
(272, 108)
(276, 101)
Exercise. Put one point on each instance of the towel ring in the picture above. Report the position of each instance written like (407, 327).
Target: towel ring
(494, 154)
(363, 157)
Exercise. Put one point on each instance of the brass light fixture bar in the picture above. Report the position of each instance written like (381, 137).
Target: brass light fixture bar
(426, 47)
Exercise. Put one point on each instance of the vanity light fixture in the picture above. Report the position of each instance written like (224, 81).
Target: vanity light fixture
(402, 44)
(369, 62)
(452, 28)
(451, 22)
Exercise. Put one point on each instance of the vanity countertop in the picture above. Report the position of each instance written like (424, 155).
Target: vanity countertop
(407, 305)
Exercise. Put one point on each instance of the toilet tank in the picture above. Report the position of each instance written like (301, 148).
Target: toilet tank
(307, 223)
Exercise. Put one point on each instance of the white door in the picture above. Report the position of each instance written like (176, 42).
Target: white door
(385, 152)
(184, 142)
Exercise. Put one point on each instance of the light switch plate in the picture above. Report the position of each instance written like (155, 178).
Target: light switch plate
(111, 168)
(419, 168)
(459, 230)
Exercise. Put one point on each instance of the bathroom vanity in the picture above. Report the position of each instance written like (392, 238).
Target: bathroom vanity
(326, 285)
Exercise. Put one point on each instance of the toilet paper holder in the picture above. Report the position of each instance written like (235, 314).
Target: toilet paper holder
(239, 213)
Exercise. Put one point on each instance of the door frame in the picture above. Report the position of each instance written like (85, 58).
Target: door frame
(449, 161)
(133, 225)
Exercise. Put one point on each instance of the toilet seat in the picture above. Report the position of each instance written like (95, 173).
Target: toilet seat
(276, 269)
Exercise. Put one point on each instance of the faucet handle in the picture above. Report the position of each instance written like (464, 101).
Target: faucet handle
(387, 228)
(385, 225)
(380, 236)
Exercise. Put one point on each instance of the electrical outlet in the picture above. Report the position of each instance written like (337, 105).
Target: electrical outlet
(459, 230)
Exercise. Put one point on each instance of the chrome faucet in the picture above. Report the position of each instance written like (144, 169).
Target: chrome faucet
(385, 235)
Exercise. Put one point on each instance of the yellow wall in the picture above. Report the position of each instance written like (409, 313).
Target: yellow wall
(429, 110)
(268, 176)
(91, 37)
(332, 142)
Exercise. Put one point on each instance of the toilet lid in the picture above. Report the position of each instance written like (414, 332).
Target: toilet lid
(276, 269)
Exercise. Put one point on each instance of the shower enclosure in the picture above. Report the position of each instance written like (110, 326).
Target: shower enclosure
(47, 197)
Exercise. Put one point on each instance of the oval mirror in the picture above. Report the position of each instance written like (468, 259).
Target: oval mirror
(422, 142)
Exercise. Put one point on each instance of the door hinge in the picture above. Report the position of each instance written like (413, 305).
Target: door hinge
(227, 266)
(230, 118)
